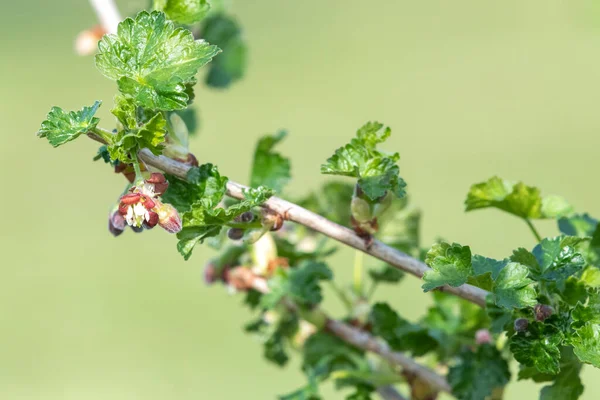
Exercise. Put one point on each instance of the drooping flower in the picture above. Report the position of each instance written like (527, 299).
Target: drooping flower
(142, 208)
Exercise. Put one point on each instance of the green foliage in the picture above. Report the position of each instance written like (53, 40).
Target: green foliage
(205, 219)
(450, 265)
(301, 284)
(230, 66)
(478, 373)
(377, 172)
(538, 347)
(184, 12)
(517, 199)
(513, 289)
(61, 127)
(202, 182)
(152, 61)
(270, 169)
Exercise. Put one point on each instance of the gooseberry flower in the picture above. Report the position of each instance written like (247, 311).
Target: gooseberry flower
(142, 208)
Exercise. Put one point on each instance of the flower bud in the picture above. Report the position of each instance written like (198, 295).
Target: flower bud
(483, 336)
(168, 218)
(159, 182)
(235, 233)
(210, 273)
(521, 324)
(116, 223)
(86, 43)
(248, 216)
(152, 220)
(542, 312)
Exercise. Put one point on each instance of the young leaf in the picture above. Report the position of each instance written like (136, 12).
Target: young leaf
(400, 334)
(517, 199)
(486, 270)
(202, 182)
(150, 135)
(513, 289)
(556, 261)
(185, 12)
(538, 347)
(377, 172)
(61, 127)
(478, 373)
(450, 263)
(586, 343)
(205, 220)
(152, 61)
(225, 32)
(386, 274)
(270, 168)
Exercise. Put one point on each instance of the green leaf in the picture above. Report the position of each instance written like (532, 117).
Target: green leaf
(202, 182)
(525, 257)
(517, 199)
(586, 343)
(556, 261)
(205, 220)
(186, 12)
(376, 171)
(150, 135)
(486, 270)
(478, 373)
(386, 274)
(400, 334)
(274, 335)
(513, 288)
(308, 392)
(567, 384)
(152, 61)
(61, 127)
(451, 265)
(270, 168)
(578, 225)
(301, 284)
(538, 347)
(230, 66)
(501, 318)
(324, 354)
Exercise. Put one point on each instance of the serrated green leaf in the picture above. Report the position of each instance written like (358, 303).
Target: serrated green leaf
(230, 66)
(450, 264)
(270, 168)
(578, 225)
(152, 60)
(501, 318)
(61, 127)
(186, 12)
(486, 270)
(586, 343)
(517, 199)
(557, 261)
(205, 219)
(150, 135)
(377, 172)
(400, 334)
(478, 373)
(525, 257)
(513, 288)
(567, 384)
(202, 182)
(323, 354)
(538, 347)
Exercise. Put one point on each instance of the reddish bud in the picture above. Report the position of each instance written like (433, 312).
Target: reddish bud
(148, 203)
(168, 218)
(542, 312)
(116, 223)
(159, 181)
(210, 274)
(483, 336)
(152, 220)
(130, 198)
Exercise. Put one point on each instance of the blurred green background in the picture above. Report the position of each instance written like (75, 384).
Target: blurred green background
(471, 89)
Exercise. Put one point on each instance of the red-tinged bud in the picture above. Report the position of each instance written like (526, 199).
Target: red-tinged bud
(240, 278)
(542, 312)
(116, 223)
(159, 181)
(152, 220)
(483, 336)
(130, 198)
(168, 218)
(210, 274)
(192, 160)
(521, 324)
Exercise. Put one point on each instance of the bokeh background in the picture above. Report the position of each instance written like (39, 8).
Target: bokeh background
(471, 89)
